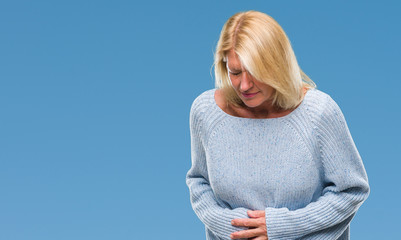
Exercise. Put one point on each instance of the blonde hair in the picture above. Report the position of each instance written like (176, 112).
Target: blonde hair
(265, 51)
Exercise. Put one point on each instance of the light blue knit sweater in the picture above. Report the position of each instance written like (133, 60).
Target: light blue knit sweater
(303, 169)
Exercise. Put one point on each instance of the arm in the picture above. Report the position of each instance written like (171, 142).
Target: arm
(333, 232)
(210, 211)
(345, 180)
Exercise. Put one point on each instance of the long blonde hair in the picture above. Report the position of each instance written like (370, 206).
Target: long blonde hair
(265, 51)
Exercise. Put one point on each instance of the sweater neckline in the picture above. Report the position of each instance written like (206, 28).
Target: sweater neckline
(294, 112)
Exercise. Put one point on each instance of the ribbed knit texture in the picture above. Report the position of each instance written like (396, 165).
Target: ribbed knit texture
(303, 169)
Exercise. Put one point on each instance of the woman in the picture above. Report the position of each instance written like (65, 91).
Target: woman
(272, 156)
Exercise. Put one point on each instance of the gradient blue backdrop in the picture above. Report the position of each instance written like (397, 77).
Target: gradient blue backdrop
(95, 99)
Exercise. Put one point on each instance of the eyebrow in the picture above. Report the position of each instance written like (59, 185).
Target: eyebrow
(234, 69)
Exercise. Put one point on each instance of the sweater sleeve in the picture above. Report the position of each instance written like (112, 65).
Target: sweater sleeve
(213, 213)
(333, 232)
(346, 185)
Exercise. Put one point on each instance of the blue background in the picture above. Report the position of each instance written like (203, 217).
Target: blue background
(95, 99)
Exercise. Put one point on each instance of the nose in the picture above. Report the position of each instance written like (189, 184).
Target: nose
(246, 81)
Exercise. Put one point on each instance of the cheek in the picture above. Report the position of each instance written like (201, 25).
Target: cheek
(235, 83)
(265, 88)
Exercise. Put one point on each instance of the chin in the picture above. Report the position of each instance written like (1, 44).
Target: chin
(251, 104)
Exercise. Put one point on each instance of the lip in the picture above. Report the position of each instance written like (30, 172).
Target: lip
(249, 95)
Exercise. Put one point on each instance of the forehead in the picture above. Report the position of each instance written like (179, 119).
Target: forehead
(233, 61)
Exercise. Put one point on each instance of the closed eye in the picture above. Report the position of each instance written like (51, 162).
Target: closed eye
(235, 73)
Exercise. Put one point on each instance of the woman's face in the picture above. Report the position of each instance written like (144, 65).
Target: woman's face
(253, 93)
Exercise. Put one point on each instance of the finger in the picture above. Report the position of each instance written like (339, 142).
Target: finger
(245, 222)
(256, 213)
(247, 233)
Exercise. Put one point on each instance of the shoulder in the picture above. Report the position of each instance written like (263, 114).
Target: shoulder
(320, 105)
(202, 103)
(325, 113)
